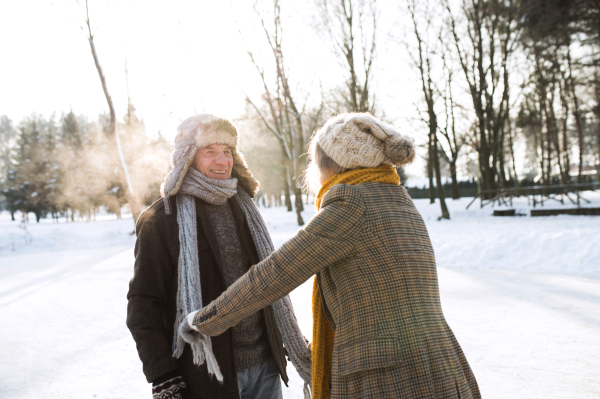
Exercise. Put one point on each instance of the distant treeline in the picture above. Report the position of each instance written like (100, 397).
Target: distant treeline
(68, 166)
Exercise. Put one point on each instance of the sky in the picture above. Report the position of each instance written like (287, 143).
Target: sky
(182, 58)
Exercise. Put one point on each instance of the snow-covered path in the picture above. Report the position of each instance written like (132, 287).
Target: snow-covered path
(526, 335)
(522, 296)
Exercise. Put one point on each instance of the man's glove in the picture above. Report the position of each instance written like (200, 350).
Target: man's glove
(170, 386)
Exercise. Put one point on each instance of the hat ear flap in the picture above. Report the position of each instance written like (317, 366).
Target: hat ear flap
(176, 175)
(240, 171)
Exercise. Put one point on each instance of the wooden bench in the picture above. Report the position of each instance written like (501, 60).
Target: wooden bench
(571, 211)
(535, 194)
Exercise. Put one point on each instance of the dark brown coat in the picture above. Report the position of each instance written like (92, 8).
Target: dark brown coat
(152, 294)
(377, 276)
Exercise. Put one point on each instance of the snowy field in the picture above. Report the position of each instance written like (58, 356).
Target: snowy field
(522, 295)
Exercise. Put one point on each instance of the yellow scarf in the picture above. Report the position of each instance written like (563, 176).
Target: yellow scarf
(323, 335)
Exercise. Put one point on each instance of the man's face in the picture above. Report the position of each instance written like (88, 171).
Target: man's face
(214, 161)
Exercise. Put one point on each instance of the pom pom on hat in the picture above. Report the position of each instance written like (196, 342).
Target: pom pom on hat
(400, 150)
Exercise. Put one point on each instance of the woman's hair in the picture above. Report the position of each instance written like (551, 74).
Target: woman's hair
(319, 162)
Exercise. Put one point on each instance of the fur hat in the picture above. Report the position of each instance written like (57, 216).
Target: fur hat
(359, 140)
(200, 131)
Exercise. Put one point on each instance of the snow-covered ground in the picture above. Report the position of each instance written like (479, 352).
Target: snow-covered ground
(522, 295)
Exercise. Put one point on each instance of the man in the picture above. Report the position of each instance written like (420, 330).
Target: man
(191, 245)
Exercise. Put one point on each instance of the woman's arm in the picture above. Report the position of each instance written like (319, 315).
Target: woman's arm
(329, 237)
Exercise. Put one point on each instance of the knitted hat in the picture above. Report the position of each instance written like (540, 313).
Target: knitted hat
(359, 140)
(200, 131)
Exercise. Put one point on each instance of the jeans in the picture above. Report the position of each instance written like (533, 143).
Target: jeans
(260, 382)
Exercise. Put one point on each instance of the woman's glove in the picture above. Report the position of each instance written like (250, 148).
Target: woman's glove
(187, 332)
(170, 386)
(201, 346)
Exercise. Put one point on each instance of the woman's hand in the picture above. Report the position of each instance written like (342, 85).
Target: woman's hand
(188, 332)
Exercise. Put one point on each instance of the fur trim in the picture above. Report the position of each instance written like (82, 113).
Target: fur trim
(246, 179)
(185, 168)
(216, 130)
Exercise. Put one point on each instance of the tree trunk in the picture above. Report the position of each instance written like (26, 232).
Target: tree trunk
(577, 116)
(565, 150)
(438, 180)
(548, 157)
(500, 155)
(553, 139)
(455, 193)
(487, 173)
(299, 206)
(543, 115)
(598, 165)
(133, 203)
(563, 176)
(512, 154)
(430, 170)
(565, 143)
(286, 189)
(579, 137)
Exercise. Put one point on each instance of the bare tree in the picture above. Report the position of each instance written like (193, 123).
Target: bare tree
(133, 202)
(576, 114)
(423, 64)
(454, 139)
(351, 28)
(284, 119)
(491, 32)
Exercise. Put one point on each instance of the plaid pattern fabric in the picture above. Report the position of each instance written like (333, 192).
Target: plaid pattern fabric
(376, 270)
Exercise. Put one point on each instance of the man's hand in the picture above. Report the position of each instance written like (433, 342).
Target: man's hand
(170, 386)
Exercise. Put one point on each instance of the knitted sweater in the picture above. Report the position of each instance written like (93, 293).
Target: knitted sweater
(251, 346)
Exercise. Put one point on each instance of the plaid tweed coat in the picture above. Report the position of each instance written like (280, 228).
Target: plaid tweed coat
(376, 272)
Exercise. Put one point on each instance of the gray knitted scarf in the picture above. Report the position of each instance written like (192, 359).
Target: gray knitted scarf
(189, 294)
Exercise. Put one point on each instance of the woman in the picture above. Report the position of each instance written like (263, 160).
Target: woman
(379, 330)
